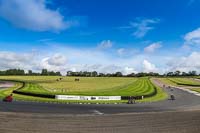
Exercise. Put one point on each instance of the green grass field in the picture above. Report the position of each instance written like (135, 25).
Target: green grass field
(196, 89)
(94, 86)
(180, 81)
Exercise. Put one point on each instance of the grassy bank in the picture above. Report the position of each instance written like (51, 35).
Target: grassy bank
(108, 87)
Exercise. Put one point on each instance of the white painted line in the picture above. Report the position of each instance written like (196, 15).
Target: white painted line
(197, 94)
(96, 112)
(187, 90)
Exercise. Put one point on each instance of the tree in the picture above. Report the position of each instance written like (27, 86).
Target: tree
(177, 73)
(131, 75)
(118, 74)
(101, 75)
(14, 72)
(193, 73)
(69, 73)
(30, 72)
(170, 74)
(58, 74)
(184, 74)
(44, 72)
(94, 74)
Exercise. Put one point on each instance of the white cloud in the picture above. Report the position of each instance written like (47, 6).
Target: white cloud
(152, 47)
(15, 60)
(36, 62)
(187, 63)
(101, 68)
(129, 70)
(149, 67)
(58, 57)
(33, 15)
(121, 51)
(143, 26)
(192, 37)
(115, 68)
(57, 60)
(105, 44)
(126, 52)
(93, 60)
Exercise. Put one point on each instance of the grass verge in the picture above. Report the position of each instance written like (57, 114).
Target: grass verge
(161, 95)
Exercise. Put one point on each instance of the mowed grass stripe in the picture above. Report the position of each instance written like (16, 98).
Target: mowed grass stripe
(185, 81)
(94, 86)
(146, 88)
(136, 88)
(141, 87)
(34, 88)
(120, 86)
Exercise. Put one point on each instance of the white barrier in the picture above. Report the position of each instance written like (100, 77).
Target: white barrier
(73, 97)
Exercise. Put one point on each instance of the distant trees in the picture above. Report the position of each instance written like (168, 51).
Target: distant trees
(45, 72)
(94, 74)
(12, 72)
(119, 74)
(116, 74)
(30, 72)
(143, 74)
(179, 73)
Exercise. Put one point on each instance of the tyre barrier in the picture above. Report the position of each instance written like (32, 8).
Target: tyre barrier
(34, 94)
(140, 97)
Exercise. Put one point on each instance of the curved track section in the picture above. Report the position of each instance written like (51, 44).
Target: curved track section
(179, 116)
(184, 100)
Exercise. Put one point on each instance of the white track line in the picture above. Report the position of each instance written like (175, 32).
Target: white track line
(96, 112)
(187, 90)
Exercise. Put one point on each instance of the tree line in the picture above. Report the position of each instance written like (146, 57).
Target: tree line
(45, 72)
(116, 74)
(140, 74)
(179, 73)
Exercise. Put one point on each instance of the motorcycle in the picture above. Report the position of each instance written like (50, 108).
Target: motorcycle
(8, 98)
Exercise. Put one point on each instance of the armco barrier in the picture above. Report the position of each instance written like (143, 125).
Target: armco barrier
(75, 97)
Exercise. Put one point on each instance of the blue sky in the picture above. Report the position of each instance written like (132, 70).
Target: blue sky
(102, 35)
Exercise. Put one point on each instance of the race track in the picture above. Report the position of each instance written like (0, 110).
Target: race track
(184, 101)
(180, 115)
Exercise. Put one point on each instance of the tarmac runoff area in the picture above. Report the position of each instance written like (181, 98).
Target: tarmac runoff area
(6, 84)
(178, 116)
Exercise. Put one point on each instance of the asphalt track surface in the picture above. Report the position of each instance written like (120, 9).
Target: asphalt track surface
(179, 116)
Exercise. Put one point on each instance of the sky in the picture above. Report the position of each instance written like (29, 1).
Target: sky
(106, 36)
